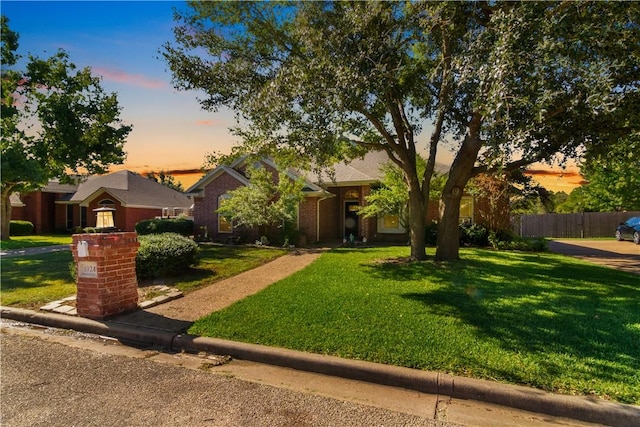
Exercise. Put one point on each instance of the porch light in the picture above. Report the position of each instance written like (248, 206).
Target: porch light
(104, 218)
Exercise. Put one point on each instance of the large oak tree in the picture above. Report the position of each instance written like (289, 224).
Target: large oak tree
(505, 83)
(56, 121)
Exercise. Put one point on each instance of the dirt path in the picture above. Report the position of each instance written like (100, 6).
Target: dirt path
(224, 293)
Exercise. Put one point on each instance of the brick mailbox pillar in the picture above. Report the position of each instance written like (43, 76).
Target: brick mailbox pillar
(106, 270)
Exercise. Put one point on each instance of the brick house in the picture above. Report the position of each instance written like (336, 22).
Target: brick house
(328, 212)
(65, 207)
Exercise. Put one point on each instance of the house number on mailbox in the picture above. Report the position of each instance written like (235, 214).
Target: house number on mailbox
(88, 269)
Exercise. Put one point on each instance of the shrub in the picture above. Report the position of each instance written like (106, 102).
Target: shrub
(20, 228)
(431, 234)
(478, 235)
(473, 235)
(73, 271)
(505, 241)
(181, 226)
(166, 254)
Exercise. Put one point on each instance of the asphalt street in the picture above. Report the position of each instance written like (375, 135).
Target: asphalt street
(56, 377)
(47, 383)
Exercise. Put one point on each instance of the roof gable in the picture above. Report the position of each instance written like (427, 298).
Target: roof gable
(131, 190)
(198, 187)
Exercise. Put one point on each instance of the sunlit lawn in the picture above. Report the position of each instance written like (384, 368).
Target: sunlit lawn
(32, 281)
(542, 320)
(20, 242)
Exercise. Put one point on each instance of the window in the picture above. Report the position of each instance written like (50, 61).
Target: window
(466, 209)
(352, 195)
(106, 203)
(69, 217)
(225, 225)
(83, 216)
(390, 223)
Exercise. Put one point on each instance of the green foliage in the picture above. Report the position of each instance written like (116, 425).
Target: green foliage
(166, 254)
(165, 178)
(431, 234)
(473, 235)
(270, 201)
(73, 271)
(508, 242)
(392, 196)
(20, 228)
(613, 177)
(181, 226)
(64, 123)
(576, 201)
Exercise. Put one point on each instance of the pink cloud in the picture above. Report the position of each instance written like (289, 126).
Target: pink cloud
(130, 79)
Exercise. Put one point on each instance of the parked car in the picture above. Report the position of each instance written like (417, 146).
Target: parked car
(629, 230)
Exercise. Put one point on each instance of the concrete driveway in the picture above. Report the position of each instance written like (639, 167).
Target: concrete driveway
(623, 255)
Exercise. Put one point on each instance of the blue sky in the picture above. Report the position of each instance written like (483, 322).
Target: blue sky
(120, 41)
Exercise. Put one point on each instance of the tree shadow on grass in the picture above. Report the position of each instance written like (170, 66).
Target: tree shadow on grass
(532, 304)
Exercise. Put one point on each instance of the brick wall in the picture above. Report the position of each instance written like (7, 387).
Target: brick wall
(204, 208)
(330, 220)
(307, 214)
(106, 277)
(135, 215)
(39, 209)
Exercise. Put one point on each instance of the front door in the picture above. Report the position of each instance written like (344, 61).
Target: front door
(351, 220)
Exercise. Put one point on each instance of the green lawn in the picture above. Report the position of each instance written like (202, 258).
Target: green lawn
(32, 281)
(219, 262)
(541, 320)
(20, 242)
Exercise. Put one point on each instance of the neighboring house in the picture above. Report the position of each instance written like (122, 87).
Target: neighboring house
(328, 212)
(65, 207)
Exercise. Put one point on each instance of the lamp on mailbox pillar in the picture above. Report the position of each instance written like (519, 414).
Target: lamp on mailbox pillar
(104, 219)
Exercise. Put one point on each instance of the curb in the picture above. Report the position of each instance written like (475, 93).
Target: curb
(517, 397)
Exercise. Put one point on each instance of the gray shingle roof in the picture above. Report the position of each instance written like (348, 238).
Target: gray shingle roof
(131, 190)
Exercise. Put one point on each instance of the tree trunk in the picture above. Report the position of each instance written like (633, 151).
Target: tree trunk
(461, 171)
(417, 211)
(448, 228)
(5, 213)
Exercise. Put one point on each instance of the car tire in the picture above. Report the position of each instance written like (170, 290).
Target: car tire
(619, 236)
(636, 237)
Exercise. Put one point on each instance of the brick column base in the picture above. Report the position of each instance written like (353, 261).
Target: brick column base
(106, 269)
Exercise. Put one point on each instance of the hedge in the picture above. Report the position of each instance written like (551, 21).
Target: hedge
(181, 226)
(20, 228)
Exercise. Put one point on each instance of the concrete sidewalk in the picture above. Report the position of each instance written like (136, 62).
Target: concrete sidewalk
(10, 253)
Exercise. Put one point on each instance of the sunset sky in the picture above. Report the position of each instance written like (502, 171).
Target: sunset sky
(121, 41)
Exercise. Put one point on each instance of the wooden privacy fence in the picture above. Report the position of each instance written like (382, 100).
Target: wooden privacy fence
(587, 224)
